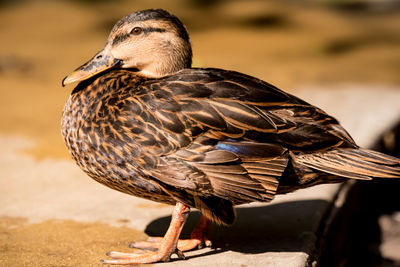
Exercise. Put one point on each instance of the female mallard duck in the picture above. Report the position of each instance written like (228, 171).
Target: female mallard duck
(143, 122)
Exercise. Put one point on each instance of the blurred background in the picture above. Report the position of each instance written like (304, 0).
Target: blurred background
(293, 44)
(290, 44)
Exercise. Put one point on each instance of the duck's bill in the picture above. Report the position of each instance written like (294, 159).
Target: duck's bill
(99, 63)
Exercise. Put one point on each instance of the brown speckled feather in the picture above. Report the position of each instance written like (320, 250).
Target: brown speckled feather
(208, 137)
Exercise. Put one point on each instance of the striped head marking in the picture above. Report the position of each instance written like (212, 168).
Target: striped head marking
(153, 42)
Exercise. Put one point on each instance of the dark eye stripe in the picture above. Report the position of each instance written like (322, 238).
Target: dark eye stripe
(121, 37)
(147, 30)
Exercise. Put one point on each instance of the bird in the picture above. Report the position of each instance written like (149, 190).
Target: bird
(143, 121)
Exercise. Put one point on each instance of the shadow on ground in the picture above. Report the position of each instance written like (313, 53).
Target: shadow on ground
(258, 229)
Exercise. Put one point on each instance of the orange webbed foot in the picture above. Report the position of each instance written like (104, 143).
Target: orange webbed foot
(140, 257)
(167, 245)
(199, 239)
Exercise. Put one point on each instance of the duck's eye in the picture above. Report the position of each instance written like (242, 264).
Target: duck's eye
(136, 31)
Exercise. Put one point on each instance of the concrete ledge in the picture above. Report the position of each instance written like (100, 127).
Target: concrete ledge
(283, 233)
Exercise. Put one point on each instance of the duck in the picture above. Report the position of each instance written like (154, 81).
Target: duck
(143, 121)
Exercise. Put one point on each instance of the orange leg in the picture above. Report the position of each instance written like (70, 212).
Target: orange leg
(198, 238)
(167, 247)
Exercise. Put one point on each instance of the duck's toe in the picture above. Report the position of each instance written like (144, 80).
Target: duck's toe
(153, 244)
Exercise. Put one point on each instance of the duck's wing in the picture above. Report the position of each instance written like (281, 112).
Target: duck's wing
(229, 104)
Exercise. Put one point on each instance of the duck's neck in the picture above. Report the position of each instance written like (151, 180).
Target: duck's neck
(160, 69)
(159, 64)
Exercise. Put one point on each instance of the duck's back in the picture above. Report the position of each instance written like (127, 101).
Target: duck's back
(243, 107)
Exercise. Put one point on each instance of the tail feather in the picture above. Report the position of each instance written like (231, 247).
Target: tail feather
(372, 156)
(353, 163)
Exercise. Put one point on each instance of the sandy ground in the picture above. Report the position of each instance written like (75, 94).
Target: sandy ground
(53, 215)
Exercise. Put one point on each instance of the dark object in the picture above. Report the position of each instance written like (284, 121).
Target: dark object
(143, 122)
(389, 143)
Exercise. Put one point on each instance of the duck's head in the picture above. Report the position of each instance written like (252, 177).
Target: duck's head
(152, 42)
